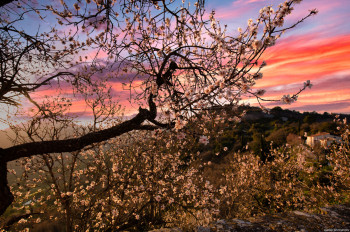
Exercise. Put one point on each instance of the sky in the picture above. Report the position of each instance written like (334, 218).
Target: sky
(317, 50)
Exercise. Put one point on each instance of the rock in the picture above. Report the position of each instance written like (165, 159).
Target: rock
(203, 229)
(167, 230)
(333, 218)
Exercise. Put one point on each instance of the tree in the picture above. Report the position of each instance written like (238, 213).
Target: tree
(173, 59)
(278, 137)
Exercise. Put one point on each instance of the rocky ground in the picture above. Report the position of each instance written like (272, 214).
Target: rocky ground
(333, 218)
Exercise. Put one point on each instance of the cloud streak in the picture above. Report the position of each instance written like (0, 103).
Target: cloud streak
(296, 59)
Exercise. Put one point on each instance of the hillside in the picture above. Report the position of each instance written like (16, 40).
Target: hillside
(257, 131)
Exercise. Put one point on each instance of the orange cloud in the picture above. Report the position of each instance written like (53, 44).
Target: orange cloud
(324, 61)
(291, 61)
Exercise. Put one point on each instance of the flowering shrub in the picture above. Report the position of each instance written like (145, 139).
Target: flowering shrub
(161, 181)
(119, 185)
(290, 178)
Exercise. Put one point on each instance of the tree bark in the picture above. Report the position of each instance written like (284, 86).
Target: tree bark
(6, 196)
(4, 2)
(70, 145)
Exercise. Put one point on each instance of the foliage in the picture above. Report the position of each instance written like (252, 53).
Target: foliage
(159, 180)
(133, 185)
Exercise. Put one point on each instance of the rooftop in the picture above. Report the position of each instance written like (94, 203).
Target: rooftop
(319, 134)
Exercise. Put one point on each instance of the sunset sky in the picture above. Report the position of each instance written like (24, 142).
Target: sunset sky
(317, 50)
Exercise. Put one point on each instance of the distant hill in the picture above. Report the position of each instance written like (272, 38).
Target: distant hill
(257, 130)
(44, 130)
(5, 142)
(276, 118)
(255, 113)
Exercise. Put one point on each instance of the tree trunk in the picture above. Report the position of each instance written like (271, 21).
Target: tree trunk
(6, 196)
(4, 2)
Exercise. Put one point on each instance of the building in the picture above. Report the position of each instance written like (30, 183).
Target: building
(324, 139)
(328, 141)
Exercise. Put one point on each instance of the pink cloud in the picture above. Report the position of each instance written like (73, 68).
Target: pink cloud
(291, 61)
(323, 60)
